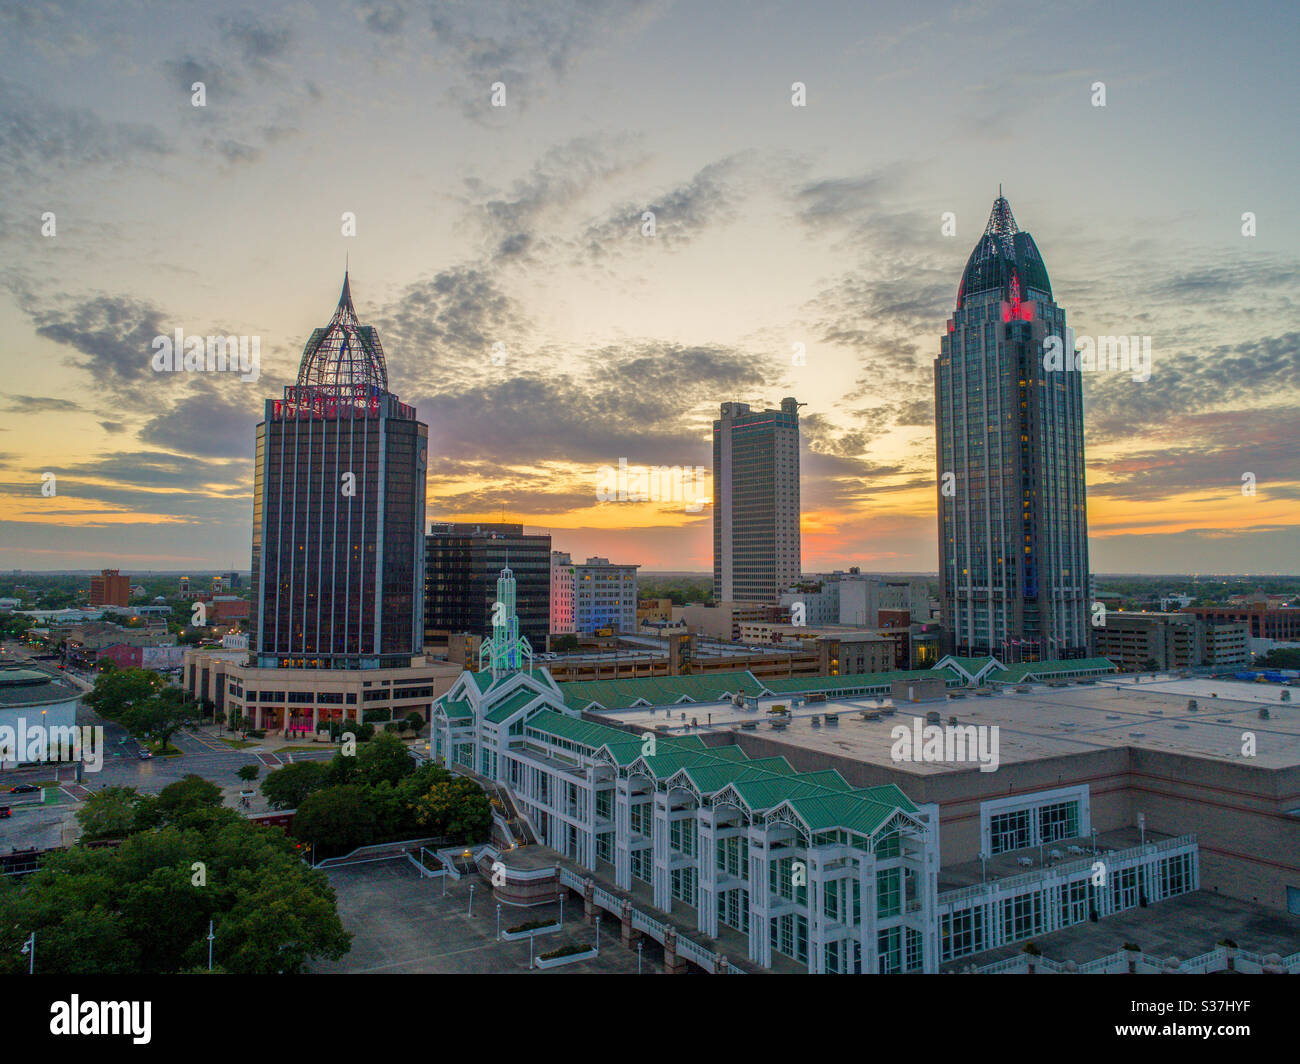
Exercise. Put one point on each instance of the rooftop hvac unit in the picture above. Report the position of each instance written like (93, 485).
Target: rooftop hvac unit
(932, 717)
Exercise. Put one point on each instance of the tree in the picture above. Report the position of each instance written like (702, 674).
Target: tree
(188, 793)
(111, 813)
(457, 808)
(337, 819)
(286, 787)
(159, 716)
(385, 758)
(119, 690)
(247, 773)
(138, 908)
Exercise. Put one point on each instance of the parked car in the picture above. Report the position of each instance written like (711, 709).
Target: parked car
(5, 812)
(24, 788)
(144, 755)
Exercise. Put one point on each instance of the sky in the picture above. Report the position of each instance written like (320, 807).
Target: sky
(542, 331)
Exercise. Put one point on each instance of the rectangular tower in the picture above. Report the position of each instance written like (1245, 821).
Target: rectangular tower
(756, 547)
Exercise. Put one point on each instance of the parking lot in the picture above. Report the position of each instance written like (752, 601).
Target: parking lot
(405, 924)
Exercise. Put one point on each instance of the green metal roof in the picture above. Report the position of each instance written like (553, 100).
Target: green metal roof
(512, 705)
(852, 681)
(1046, 670)
(658, 690)
(458, 709)
(823, 800)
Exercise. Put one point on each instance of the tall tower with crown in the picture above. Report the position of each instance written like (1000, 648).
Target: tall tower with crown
(1013, 525)
(338, 511)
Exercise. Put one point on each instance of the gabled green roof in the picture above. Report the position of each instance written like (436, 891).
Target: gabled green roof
(658, 690)
(1046, 670)
(512, 705)
(458, 709)
(829, 800)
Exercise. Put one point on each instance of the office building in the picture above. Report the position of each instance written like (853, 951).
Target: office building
(1013, 528)
(462, 563)
(110, 588)
(756, 544)
(338, 511)
(604, 597)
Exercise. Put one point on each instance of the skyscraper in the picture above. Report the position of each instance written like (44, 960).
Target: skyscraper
(1013, 526)
(756, 552)
(338, 511)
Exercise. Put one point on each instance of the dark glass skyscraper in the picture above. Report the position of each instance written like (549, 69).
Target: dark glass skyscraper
(1013, 525)
(338, 511)
(464, 562)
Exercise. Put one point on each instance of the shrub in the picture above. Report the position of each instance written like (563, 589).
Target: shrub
(531, 925)
(563, 951)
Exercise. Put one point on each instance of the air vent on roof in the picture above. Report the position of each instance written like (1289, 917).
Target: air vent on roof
(1224, 720)
(1113, 716)
(932, 717)
(1182, 727)
(1137, 735)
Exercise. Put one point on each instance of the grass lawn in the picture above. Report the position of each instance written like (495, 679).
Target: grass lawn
(238, 744)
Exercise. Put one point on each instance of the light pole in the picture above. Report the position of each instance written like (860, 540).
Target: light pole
(598, 915)
(561, 896)
(211, 936)
(498, 921)
(530, 953)
(639, 944)
(29, 947)
(1142, 828)
(983, 865)
(470, 911)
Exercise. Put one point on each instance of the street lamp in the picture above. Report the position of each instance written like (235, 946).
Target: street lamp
(498, 921)
(470, 911)
(598, 915)
(639, 944)
(561, 908)
(983, 865)
(211, 936)
(29, 947)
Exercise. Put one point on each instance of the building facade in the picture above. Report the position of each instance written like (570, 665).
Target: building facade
(461, 567)
(604, 596)
(338, 511)
(1013, 528)
(561, 594)
(110, 588)
(756, 540)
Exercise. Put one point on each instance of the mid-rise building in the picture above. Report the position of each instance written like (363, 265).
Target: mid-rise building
(561, 593)
(461, 567)
(110, 588)
(862, 598)
(1013, 525)
(1280, 623)
(1140, 642)
(604, 596)
(756, 541)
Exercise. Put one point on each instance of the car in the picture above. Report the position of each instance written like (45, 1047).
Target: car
(24, 788)
(144, 755)
(5, 812)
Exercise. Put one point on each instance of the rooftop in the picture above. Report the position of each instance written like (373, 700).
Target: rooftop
(1037, 723)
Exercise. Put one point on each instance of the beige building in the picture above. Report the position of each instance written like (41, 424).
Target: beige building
(1140, 641)
(297, 701)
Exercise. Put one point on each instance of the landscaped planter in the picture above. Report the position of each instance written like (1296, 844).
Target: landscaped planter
(516, 936)
(569, 958)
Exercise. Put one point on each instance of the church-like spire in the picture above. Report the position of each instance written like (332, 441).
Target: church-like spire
(346, 311)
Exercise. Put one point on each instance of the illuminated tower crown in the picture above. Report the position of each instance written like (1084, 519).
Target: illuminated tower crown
(507, 649)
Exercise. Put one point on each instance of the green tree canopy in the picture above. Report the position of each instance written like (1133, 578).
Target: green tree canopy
(145, 905)
(286, 787)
